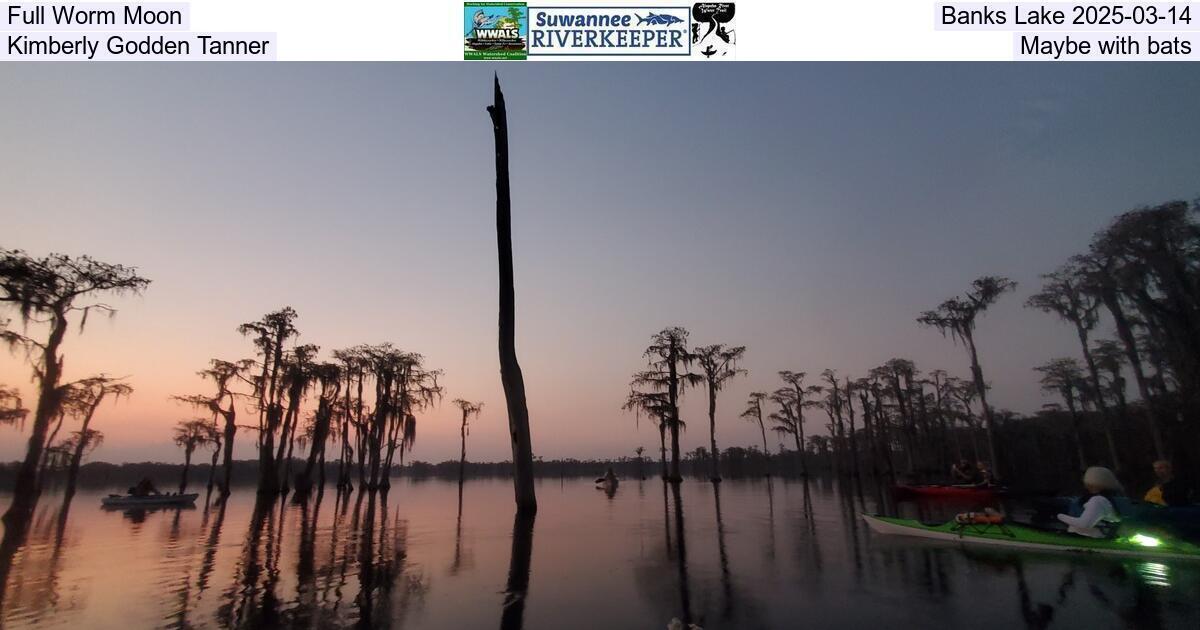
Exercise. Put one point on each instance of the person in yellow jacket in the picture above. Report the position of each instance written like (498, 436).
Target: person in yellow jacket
(1169, 491)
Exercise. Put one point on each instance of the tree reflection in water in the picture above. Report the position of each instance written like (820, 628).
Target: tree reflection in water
(512, 616)
(306, 574)
(769, 549)
(211, 544)
(35, 565)
(723, 555)
(685, 596)
(246, 603)
(462, 559)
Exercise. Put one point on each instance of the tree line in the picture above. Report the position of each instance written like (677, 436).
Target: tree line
(1139, 281)
(367, 397)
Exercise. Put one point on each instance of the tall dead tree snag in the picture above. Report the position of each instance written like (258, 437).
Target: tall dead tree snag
(510, 369)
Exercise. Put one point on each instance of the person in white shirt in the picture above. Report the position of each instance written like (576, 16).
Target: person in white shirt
(1099, 515)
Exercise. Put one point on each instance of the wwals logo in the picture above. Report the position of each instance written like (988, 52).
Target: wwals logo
(495, 30)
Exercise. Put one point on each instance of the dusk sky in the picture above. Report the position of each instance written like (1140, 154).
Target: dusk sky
(809, 212)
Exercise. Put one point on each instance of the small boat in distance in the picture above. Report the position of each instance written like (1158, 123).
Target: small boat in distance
(128, 500)
(607, 484)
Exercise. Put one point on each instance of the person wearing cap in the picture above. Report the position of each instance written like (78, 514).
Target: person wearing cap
(1099, 517)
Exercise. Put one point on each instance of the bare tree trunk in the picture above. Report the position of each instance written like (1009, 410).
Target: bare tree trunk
(662, 448)
(80, 446)
(852, 437)
(268, 477)
(287, 441)
(316, 451)
(800, 444)
(212, 469)
(907, 429)
(187, 466)
(799, 433)
(1125, 332)
(673, 403)
(347, 452)
(1076, 432)
(800, 453)
(27, 487)
(930, 454)
(715, 455)
(361, 435)
(872, 447)
(766, 451)
(462, 458)
(321, 475)
(48, 442)
(230, 431)
(883, 432)
(945, 452)
(1105, 410)
(977, 375)
(510, 369)
(289, 419)
(392, 444)
(285, 478)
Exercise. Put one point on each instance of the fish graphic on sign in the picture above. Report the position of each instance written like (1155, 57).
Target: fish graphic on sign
(655, 19)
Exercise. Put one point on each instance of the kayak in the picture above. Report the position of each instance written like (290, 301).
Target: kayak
(1151, 513)
(1181, 521)
(963, 492)
(119, 500)
(606, 485)
(1022, 537)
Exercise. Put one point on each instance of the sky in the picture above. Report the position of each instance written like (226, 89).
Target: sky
(807, 211)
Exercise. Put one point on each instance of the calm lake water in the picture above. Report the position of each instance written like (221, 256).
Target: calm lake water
(756, 554)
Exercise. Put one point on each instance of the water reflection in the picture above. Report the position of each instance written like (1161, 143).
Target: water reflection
(723, 555)
(685, 597)
(1037, 616)
(137, 515)
(210, 544)
(306, 561)
(245, 601)
(740, 554)
(809, 545)
(769, 549)
(516, 590)
(462, 559)
(35, 587)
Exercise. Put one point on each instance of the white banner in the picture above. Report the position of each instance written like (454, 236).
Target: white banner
(747, 30)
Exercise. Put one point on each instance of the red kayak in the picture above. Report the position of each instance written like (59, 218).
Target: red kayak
(948, 492)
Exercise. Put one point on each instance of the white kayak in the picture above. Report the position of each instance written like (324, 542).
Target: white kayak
(125, 500)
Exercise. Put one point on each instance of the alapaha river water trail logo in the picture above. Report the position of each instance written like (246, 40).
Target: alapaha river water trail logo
(713, 34)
